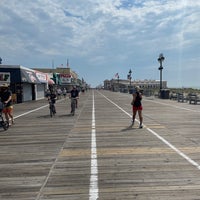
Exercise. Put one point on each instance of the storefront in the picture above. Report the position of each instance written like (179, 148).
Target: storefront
(25, 84)
(42, 87)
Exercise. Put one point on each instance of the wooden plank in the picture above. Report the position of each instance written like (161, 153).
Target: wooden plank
(50, 158)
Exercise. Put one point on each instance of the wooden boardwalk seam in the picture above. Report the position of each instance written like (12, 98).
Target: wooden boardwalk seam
(50, 158)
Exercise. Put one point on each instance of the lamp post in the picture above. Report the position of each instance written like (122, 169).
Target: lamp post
(160, 60)
(129, 76)
(118, 81)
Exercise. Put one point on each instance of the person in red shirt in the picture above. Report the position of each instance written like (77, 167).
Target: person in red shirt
(137, 106)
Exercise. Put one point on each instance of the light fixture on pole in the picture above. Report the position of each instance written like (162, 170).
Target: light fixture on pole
(129, 76)
(118, 81)
(160, 60)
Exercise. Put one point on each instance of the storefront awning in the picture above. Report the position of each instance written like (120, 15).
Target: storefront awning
(29, 76)
(42, 77)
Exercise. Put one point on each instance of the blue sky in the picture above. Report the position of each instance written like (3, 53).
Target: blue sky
(104, 37)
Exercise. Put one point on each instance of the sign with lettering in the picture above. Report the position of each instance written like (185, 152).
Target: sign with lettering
(65, 78)
(41, 76)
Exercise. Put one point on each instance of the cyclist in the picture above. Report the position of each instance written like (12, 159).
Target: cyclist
(52, 97)
(74, 93)
(6, 98)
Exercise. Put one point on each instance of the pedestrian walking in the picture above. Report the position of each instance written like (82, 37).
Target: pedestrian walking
(137, 106)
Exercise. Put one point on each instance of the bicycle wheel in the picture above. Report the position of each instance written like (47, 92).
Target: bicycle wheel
(5, 125)
(73, 105)
(51, 110)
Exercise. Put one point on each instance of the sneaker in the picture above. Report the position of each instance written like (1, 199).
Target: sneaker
(132, 122)
(140, 126)
(9, 123)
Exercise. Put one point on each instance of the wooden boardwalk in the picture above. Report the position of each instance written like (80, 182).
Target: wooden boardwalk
(96, 155)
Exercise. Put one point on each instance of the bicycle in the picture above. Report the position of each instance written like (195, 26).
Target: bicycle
(3, 123)
(73, 105)
(52, 108)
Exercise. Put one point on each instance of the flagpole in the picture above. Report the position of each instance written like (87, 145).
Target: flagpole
(53, 65)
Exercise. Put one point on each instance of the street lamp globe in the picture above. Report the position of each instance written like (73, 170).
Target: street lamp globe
(161, 58)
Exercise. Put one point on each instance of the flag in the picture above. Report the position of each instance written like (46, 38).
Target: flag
(116, 75)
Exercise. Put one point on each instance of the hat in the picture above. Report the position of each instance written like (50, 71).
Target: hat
(137, 88)
(4, 85)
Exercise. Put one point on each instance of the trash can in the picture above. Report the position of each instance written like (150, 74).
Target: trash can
(132, 91)
(164, 94)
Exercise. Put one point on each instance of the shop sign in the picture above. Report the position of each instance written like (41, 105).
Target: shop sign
(65, 78)
(41, 76)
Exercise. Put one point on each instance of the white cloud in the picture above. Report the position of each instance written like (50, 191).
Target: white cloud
(100, 33)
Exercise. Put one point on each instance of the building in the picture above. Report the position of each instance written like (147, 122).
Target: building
(31, 84)
(26, 84)
(124, 85)
(64, 77)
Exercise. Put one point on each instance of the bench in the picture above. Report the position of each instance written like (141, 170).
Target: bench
(173, 96)
(181, 97)
(193, 98)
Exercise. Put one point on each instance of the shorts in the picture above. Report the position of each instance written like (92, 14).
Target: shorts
(137, 108)
(8, 109)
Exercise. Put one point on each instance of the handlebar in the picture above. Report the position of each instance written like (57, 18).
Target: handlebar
(51, 100)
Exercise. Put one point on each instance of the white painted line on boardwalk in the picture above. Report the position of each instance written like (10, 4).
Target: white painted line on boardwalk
(26, 113)
(175, 149)
(94, 190)
(36, 109)
(162, 139)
